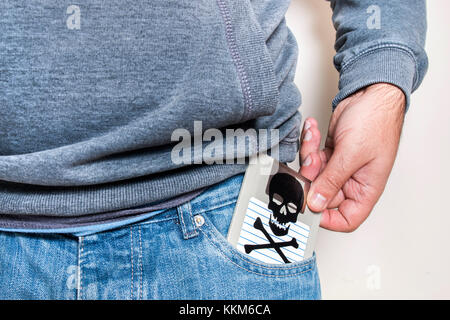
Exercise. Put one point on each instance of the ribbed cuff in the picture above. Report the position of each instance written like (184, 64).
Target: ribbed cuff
(394, 65)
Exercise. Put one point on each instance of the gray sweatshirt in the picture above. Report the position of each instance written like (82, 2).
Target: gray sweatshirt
(91, 93)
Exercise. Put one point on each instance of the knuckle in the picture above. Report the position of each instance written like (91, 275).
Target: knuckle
(332, 182)
(345, 161)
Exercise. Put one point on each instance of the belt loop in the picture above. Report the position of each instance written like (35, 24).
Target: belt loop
(186, 220)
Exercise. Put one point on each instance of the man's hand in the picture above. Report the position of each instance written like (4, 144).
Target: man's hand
(350, 173)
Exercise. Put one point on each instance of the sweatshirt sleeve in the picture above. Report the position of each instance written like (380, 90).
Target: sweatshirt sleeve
(379, 41)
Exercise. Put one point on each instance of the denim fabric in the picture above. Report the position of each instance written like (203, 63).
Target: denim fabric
(173, 255)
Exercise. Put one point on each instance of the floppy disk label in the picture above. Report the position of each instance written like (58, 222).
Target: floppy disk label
(259, 241)
(271, 222)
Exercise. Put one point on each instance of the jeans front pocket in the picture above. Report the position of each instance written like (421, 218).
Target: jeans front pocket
(247, 278)
(215, 229)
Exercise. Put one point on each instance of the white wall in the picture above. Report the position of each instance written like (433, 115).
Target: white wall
(402, 250)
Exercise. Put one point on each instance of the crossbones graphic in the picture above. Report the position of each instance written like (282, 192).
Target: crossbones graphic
(272, 245)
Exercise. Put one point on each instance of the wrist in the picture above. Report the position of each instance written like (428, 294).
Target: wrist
(388, 96)
(385, 97)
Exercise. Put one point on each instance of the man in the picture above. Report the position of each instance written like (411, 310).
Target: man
(92, 204)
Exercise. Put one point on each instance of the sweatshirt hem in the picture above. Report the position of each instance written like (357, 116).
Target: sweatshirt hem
(32, 200)
(388, 64)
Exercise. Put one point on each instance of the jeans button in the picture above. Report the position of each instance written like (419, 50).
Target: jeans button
(199, 220)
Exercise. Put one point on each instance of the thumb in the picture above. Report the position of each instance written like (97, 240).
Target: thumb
(340, 167)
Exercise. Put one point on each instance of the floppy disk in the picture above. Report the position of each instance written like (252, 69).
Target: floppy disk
(271, 221)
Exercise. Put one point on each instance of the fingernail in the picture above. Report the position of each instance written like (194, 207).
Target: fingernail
(307, 125)
(307, 161)
(308, 136)
(318, 201)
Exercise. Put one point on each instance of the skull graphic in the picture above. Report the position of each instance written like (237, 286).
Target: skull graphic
(286, 201)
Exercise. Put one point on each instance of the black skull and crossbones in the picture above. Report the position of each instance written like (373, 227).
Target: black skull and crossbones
(285, 202)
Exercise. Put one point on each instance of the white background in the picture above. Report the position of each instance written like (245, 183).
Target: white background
(402, 250)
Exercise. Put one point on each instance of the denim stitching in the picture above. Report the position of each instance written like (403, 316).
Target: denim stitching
(80, 253)
(183, 226)
(132, 270)
(236, 57)
(140, 265)
(187, 234)
(224, 204)
(254, 272)
(155, 221)
(194, 231)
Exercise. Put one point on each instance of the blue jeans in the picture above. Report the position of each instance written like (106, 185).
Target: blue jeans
(181, 253)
